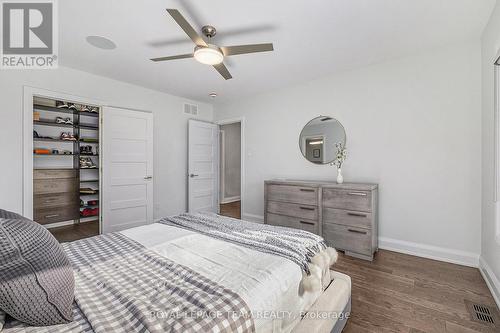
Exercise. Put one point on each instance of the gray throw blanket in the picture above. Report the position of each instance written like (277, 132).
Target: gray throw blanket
(123, 287)
(293, 244)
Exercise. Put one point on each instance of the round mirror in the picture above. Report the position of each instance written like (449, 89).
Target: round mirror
(320, 139)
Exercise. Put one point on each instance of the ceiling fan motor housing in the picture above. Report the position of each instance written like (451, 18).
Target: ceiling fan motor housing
(209, 31)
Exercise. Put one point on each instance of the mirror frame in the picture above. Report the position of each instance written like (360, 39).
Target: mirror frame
(300, 139)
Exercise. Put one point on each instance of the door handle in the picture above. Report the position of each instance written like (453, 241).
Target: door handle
(148, 177)
(193, 175)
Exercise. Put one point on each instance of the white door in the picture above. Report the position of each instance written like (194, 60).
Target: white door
(127, 169)
(203, 167)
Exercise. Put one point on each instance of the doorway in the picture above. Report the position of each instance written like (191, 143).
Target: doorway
(230, 169)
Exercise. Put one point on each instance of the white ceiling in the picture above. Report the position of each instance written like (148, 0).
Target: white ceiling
(312, 38)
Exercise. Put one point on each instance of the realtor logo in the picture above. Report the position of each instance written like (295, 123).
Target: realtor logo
(29, 36)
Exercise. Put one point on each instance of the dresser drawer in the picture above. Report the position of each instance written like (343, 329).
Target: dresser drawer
(347, 238)
(54, 173)
(347, 217)
(295, 194)
(56, 214)
(42, 186)
(54, 200)
(291, 209)
(347, 199)
(293, 222)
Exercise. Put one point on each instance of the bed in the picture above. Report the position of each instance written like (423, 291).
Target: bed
(263, 284)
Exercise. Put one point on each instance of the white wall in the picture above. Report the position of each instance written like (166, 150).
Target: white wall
(170, 137)
(232, 161)
(413, 126)
(490, 248)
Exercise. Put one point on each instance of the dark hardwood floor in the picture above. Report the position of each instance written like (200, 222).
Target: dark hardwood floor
(403, 293)
(232, 209)
(76, 231)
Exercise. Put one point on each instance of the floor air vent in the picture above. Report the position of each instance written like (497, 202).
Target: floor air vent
(483, 314)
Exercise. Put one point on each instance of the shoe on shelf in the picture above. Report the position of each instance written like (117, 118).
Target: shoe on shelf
(68, 121)
(67, 136)
(87, 163)
(60, 120)
(66, 152)
(87, 190)
(72, 106)
(61, 105)
(94, 109)
(86, 150)
(35, 134)
(84, 108)
(55, 152)
(41, 151)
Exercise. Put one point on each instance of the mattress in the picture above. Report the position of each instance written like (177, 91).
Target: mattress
(267, 283)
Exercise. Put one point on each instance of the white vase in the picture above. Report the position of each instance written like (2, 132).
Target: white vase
(340, 178)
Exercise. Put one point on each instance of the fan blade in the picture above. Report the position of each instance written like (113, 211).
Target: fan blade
(222, 69)
(180, 56)
(188, 29)
(243, 49)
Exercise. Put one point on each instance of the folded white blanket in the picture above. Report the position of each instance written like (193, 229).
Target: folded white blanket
(307, 250)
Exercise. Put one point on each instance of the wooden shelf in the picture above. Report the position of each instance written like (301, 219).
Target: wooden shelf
(52, 123)
(48, 168)
(89, 181)
(64, 110)
(52, 140)
(88, 127)
(55, 154)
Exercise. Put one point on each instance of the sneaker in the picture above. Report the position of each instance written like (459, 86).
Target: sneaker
(87, 163)
(84, 108)
(72, 106)
(68, 121)
(66, 136)
(66, 152)
(61, 105)
(35, 134)
(94, 109)
(60, 120)
(55, 152)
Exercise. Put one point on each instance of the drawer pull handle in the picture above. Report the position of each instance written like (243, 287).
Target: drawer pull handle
(307, 190)
(357, 214)
(359, 194)
(357, 231)
(51, 216)
(307, 208)
(308, 223)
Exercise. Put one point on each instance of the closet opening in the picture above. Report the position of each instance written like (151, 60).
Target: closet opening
(62, 175)
(230, 169)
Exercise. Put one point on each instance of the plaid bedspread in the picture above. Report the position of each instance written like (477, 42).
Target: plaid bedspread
(123, 287)
(296, 245)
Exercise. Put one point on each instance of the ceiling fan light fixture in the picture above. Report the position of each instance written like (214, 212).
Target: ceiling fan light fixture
(210, 55)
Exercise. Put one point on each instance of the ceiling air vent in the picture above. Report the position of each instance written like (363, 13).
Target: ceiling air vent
(191, 109)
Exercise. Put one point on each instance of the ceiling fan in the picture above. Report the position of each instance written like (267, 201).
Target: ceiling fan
(210, 54)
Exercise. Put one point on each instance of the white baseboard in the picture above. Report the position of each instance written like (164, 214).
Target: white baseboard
(491, 279)
(431, 252)
(65, 223)
(230, 199)
(252, 218)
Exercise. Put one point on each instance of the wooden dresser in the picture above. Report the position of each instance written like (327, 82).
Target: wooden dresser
(345, 215)
(55, 195)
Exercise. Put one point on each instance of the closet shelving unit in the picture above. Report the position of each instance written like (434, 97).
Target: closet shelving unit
(85, 128)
